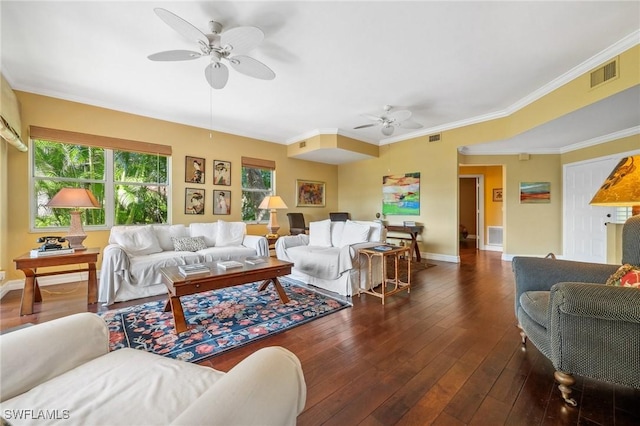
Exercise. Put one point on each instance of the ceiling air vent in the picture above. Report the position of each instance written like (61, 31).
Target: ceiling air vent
(605, 73)
(435, 138)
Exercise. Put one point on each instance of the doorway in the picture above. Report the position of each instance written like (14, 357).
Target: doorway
(470, 211)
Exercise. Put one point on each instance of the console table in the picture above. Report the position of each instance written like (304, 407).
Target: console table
(29, 265)
(413, 232)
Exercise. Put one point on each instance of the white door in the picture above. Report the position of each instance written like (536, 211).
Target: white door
(585, 232)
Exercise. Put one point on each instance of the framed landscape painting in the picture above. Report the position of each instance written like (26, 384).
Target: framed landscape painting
(194, 169)
(401, 194)
(535, 192)
(310, 193)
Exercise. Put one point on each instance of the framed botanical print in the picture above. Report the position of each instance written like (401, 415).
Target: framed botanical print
(194, 168)
(221, 202)
(310, 193)
(193, 201)
(221, 172)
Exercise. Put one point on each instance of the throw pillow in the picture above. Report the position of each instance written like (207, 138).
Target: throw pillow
(354, 233)
(320, 233)
(208, 231)
(188, 243)
(626, 276)
(230, 233)
(137, 241)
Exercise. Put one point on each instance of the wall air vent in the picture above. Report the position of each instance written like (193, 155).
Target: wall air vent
(495, 235)
(303, 144)
(605, 73)
(435, 138)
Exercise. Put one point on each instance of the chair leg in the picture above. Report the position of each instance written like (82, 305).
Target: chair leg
(566, 381)
(523, 336)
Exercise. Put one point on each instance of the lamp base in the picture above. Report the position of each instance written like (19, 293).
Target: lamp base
(75, 242)
(76, 234)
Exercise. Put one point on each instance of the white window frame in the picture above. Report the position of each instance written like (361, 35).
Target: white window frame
(109, 182)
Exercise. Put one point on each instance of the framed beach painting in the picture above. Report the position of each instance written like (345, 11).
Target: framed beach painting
(193, 201)
(194, 168)
(310, 193)
(535, 192)
(221, 202)
(221, 172)
(401, 194)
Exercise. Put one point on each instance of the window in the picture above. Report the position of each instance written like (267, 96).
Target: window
(257, 183)
(131, 186)
(622, 214)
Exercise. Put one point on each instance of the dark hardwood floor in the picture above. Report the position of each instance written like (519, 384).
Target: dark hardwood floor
(447, 354)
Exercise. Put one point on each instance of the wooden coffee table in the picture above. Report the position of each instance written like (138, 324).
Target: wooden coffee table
(179, 285)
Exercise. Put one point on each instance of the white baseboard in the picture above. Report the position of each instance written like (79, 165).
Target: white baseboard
(488, 247)
(45, 281)
(441, 257)
(509, 257)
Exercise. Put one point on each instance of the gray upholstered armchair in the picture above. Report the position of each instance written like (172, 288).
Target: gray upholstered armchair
(584, 327)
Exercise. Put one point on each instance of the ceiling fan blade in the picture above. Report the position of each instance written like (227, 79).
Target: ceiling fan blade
(217, 74)
(251, 67)
(372, 117)
(387, 130)
(400, 115)
(175, 55)
(410, 124)
(364, 126)
(241, 39)
(184, 28)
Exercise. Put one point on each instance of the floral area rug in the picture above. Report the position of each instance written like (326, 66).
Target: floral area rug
(218, 320)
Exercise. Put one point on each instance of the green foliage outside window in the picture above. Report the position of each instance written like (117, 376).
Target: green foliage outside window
(139, 182)
(256, 184)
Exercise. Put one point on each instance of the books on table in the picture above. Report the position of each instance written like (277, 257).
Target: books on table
(198, 268)
(229, 264)
(44, 253)
(255, 260)
(383, 248)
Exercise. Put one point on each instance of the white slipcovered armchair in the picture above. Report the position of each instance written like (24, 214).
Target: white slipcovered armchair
(328, 256)
(61, 372)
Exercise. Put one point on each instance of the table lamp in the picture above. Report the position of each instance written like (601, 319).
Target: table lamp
(74, 199)
(273, 203)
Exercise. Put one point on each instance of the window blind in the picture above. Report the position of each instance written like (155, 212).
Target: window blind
(258, 163)
(65, 136)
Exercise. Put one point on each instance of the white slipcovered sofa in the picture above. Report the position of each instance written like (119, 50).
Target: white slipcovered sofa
(131, 262)
(61, 372)
(328, 256)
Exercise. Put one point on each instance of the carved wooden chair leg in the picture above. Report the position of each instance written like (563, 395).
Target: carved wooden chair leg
(566, 381)
(523, 336)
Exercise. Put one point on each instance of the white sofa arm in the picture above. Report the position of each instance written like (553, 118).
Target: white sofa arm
(115, 267)
(283, 243)
(266, 388)
(36, 354)
(258, 243)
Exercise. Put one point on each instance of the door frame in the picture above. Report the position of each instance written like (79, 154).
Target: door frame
(479, 208)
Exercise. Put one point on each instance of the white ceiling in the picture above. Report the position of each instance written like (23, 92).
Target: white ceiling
(449, 62)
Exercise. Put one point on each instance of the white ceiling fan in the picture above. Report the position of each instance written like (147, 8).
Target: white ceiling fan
(228, 46)
(389, 120)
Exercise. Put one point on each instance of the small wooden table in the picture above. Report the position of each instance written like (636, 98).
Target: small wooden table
(29, 265)
(179, 285)
(397, 253)
(413, 231)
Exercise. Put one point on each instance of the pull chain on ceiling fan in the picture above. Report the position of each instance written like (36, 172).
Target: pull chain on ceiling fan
(219, 47)
(389, 120)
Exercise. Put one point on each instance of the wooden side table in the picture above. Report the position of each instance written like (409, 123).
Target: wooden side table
(394, 285)
(413, 232)
(29, 265)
